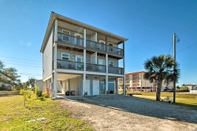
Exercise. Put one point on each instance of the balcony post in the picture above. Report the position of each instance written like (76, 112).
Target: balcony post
(106, 63)
(56, 30)
(106, 43)
(96, 61)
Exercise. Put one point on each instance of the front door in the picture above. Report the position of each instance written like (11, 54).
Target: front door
(95, 87)
(86, 90)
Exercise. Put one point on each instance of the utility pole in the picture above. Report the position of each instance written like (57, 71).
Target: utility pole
(174, 43)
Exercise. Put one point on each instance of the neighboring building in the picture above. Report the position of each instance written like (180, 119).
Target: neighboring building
(39, 83)
(78, 57)
(191, 86)
(135, 82)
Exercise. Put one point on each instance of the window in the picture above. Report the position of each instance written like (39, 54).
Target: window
(111, 63)
(110, 47)
(65, 32)
(102, 41)
(65, 37)
(65, 56)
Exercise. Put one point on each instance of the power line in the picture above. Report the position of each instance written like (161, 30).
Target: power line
(24, 65)
(170, 48)
(187, 47)
(188, 27)
(18, 58)
(20, 61)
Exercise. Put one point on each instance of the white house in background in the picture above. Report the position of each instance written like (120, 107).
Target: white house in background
(39, 83)
(78, 57)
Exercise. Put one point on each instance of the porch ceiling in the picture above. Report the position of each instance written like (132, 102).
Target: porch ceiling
(66, 76)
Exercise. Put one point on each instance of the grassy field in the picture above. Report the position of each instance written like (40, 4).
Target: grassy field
(184, 99)
(36, 115)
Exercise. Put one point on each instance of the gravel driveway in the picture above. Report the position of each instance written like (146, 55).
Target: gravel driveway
(125, 113)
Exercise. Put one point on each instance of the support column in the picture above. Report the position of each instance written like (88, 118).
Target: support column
(124, 91)
(96, 37)
(116, 81)
(106, 63)
(55, 61)
(96, 59)
(106, 84)
(84, 63)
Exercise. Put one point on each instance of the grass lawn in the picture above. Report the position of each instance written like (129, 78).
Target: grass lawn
(183, 99)
(15, 117)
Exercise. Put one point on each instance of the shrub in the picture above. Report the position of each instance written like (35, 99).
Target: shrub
(45, 94)
(38, 92)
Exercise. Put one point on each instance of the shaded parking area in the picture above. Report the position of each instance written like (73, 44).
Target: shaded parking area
(117, 112)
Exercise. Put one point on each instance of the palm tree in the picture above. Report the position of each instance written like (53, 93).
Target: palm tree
(161, 69)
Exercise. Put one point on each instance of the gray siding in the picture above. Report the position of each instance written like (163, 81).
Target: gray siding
(47, 57)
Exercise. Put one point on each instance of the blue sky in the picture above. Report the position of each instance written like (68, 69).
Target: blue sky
(148, 24)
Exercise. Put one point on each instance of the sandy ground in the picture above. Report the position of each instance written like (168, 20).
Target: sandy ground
(125, 113)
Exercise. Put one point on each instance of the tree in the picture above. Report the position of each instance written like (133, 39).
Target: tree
(31, 82)
(161, 69)
(8, 75)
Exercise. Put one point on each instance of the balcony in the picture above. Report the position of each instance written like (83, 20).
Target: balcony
(92, 45)
(66, 64)
(95, 67)
(115, 70)
(70, 40)
(115, 50)
(73, 65)
(95, 46)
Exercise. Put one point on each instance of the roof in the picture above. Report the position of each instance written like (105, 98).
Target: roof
(132, 73)
(55, 16)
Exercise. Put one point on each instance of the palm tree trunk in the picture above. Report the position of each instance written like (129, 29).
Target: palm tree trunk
(158, 90)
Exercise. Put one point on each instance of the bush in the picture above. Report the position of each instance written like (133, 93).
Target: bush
(45, 94)
(38, 92)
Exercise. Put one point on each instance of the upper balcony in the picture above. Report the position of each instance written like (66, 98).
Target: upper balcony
(77, 42)
(74, 65)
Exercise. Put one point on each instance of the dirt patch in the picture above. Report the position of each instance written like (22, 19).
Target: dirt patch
(125, 113)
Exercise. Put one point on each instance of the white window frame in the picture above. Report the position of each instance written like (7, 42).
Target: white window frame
(66, 54)
(110, 64)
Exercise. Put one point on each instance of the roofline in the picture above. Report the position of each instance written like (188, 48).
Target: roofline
(55, 16)
(131, 73)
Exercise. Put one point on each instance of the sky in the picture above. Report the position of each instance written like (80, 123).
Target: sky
(148, 24)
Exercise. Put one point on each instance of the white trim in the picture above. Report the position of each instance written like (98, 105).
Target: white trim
(49, 77)
(111, 43)
(102, 41)
(81, 36)
(66, 54)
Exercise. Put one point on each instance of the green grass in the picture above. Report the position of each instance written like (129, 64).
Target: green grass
(183, 99)
(14, 116)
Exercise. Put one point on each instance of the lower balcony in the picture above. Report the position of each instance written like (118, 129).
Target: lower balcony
(74, 65)
(115, 70)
